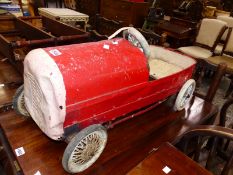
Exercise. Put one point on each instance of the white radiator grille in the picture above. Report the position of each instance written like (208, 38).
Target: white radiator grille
(35, 99)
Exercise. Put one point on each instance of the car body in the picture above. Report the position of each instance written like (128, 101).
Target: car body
(77, 86)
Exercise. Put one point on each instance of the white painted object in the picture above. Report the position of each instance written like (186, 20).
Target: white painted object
(44, 93)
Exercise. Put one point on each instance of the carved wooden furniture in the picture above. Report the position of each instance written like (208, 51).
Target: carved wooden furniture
(103, 27)
(65, 15)
(190, 10)
(17, 40)
(153, 38)
(162, 124)
(168, 160)
(126, 11)
(180, 32)
(65, 34)
(89, 7)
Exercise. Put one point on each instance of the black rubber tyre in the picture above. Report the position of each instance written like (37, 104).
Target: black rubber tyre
(84, 148)
(137, 39)
(18, 102)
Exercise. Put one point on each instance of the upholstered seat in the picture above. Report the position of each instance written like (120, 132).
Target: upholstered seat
(160, 68)
(222, 59)
(196, 52)
(164, 62)
(208, 36)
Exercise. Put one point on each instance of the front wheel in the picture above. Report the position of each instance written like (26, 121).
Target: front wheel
(18, 102)
(185, 95)
(84, 148)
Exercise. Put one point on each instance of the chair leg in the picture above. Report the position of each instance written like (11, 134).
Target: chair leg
(228, 167)
(230, 88)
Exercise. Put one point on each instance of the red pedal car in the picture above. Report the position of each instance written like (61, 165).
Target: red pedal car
(76, 92)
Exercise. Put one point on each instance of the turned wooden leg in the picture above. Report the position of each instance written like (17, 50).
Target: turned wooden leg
(230, 88)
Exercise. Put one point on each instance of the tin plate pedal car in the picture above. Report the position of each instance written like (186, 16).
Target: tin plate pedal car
(75, 92)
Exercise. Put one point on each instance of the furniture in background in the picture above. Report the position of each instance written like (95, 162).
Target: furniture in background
(209, 34)
(211, 148)
(225, 57)
(168, 160)
(126, 11)
(210, 145)
(103, 27)
(180, 32)
(21, 36)
(70, 4)
(169, 6)
(89, 7)
(65, 15)
(189, 10)
(153, 38)
(229, 21)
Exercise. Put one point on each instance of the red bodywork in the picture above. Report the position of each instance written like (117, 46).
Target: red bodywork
(111, 82)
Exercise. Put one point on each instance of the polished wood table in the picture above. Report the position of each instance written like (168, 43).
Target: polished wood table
(181, 31)
(128, 143)
(168, 160)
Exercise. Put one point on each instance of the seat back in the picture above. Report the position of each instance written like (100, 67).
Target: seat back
(195, 142)
(229, 21)
(228, 47)
(202, 143)
(210, 32)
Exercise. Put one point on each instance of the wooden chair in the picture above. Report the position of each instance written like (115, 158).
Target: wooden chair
(213, 141)
(207, 39)
(209, 35)
(103, 27)
(229, 21)
(225, 57)
(201, 147)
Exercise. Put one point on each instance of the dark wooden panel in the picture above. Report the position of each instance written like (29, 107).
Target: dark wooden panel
(126, 11)
(30, 32)
(59, 29)
(5, 47)
(89, 7)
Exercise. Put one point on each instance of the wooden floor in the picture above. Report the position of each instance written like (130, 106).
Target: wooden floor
(128, 143)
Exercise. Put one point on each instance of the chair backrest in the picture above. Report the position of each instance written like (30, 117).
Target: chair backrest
(228, 46)
(229, 21)
(218, 146)
(210, 32)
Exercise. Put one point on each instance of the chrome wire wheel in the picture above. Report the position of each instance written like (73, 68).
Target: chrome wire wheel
(18, 102)
(84, 149)
(185, 95)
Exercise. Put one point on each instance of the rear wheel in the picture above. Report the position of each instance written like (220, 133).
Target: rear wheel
(84, 148)
(18, 102)
(185, 95)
